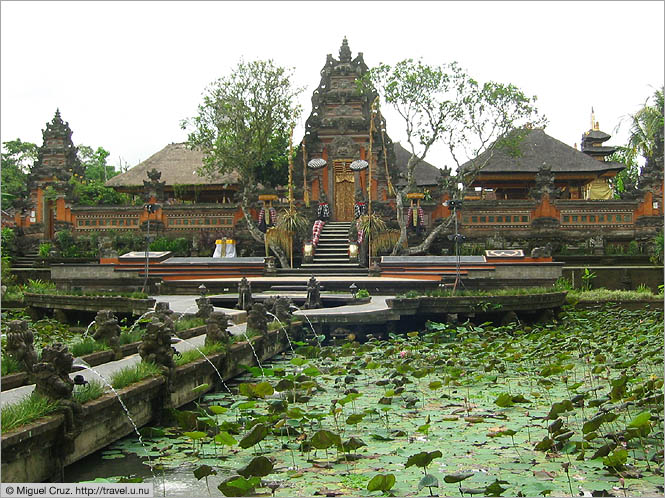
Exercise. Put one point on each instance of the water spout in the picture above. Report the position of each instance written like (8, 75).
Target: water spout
(263, 375)
(180, 339)
(284, 329)
(83, 365)
(316, 336)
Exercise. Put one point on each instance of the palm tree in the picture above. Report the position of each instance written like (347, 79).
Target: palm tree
(646, 129)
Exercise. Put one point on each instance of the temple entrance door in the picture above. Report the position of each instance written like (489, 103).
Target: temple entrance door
(48, 220)
(344, 191)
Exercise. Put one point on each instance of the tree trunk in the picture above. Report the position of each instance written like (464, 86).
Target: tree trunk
(257, 234)
(402, 225)
(425, 244)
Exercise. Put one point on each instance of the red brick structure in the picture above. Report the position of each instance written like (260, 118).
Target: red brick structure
(550, 193)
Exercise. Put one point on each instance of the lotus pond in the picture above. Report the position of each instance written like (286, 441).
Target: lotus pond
(572, 407)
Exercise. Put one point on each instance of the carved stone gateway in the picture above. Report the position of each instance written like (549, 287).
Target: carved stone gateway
(338, 130)
(343, 147)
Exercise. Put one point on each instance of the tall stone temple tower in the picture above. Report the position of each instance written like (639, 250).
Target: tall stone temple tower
(337, 133)
(48, 182)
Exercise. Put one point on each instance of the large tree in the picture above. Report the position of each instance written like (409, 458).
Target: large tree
(18, 157)
(443, 103)
(94, 162)
(242, 125)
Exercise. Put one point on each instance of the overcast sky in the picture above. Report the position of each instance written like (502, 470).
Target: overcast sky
(124, 74)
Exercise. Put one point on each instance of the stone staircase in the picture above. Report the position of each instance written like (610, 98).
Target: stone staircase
(24, 261)
(332, 252)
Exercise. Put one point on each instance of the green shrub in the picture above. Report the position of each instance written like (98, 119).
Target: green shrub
(633, 248)
(656, 253)
(39, 287)
(362, 293)
(8, 278)
(179, 246)
(83, 246)
(44, 249)
(563, 284)
(130, 375)
(8, 242)
(124, 242)
(587, 277)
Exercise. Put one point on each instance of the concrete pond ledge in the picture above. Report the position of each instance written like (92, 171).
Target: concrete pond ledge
(19, 379)
(119, 304)
(475, 304)
(35, 452)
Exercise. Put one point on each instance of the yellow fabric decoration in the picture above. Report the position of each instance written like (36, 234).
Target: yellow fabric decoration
(598, 189)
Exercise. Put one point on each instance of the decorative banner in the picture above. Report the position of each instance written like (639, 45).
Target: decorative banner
(359, 165)
(317, 163)
(304, 175)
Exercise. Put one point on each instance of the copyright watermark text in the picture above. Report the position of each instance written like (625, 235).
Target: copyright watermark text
(56, 490)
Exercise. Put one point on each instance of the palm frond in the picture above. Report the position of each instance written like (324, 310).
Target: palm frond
(371, 224)
(292, 221)
(278, 236)
(384, 241)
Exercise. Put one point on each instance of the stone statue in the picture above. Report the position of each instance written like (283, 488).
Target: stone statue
(153, 188)
(156, 346)
(52, 381)
(541, 252)
(282, 309)
(545, 184)
(20, 344)
(165, 315)
(313, 300)
(257, 319)
(244, 295)
(216, 328)
(205, 308)
(107, 331)
(279, 306)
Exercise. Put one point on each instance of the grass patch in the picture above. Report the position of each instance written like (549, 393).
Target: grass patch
(25, 411)
(607, 295)
(193, 354)
(127, 337)
(87, 346)
(93, 390)
(42, 287)
(189, 323)
(520, 291)
(9, 365)
(130, 375)
(277, 325)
